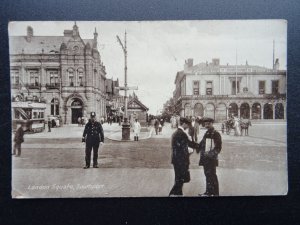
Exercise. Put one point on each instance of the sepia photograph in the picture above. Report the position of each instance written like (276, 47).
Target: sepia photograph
(193, 108)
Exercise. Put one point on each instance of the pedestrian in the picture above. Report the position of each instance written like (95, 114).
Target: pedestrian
(49, 124)
(93, 135)
(18, 139)
(161, 125)
(156, 125)
(79, 121)
(209, 148)
(137, 129)
(180, 156)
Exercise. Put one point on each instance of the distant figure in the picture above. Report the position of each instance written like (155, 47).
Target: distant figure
(18, 139)
(49, 125)
(102, 120)
(160, 126)
(79, 121)
(137, 129)
(237, 128)
(156, 126)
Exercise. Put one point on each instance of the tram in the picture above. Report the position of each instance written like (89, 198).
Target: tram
(33, 113)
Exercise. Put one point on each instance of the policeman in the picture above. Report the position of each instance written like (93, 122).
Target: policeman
(93, 135)
(210, 147)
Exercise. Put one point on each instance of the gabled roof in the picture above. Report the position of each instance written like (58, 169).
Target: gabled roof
(138, 102)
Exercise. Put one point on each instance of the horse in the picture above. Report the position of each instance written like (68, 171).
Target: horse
(245, 126)
(229, 124)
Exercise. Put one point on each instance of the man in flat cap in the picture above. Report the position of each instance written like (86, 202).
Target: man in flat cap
(93, 135)
(210, 147)
(180, 156)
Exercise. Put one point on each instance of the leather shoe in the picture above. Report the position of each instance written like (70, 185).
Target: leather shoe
(96, 166)
(86, 167)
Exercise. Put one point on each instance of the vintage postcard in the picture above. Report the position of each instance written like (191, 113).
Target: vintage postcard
(148, 109)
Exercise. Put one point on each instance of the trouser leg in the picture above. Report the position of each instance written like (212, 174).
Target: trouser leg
(95, 154)
(178, 184)
(212, 184)
(88, 149)
(19, 149)
(14, 149)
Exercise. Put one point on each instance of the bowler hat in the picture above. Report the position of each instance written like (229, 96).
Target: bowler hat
(93, 114)
(207, 119)
(184, 120)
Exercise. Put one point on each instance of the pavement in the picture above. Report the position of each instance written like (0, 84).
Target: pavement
(51, 165)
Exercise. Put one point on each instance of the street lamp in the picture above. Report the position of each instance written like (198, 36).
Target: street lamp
(125, 125)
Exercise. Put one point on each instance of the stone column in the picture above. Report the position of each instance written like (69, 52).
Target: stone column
(284, 111)
(262, 111)
(239, 112)
(250, 116)
(43, 78)
(273, 111)
(23, 77)
(227, 112)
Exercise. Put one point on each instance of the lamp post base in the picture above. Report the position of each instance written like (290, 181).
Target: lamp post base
(125, 130)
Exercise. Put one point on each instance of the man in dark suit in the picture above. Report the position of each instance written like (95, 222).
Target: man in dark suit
(19, 139)
(93, 135)
(210, 147)
(180, 156)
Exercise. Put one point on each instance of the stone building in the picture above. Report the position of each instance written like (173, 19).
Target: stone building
(66, 71)
(219, 91)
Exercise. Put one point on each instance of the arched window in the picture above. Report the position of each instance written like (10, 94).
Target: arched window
(256, 111)
(245, 111)
(233, 110)
(268, 111)
(279, 111)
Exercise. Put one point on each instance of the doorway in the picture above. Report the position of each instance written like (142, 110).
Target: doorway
(76, 108)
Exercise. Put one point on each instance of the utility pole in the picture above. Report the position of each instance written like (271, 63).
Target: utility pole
(125, 125)
(124, 47)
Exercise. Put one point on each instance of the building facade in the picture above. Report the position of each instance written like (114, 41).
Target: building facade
(219, 91)
(64, 71)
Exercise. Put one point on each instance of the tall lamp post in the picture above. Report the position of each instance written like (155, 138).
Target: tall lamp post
(125, 125)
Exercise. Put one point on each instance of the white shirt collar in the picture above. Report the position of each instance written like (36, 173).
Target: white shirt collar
(180, 127)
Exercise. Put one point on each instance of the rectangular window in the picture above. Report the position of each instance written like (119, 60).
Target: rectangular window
(53, 77)
(275, 86)
(234, 87)
(34, 78)
(196, 87)
(209, 88)
(15, 77)
(261, 87)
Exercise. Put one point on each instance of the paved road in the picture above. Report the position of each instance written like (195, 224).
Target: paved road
(51, 165)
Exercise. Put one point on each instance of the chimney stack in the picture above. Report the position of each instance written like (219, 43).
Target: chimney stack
(29, 33)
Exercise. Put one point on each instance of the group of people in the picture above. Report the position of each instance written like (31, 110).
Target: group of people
(208, 148)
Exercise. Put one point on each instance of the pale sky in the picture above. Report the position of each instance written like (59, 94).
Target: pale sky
(157, 49)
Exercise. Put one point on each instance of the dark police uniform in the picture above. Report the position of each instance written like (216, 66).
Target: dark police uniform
(210, 147)
(93, 134)
(180, 158)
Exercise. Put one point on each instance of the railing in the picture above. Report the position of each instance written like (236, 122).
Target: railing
(33, 86)
(52, 85)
